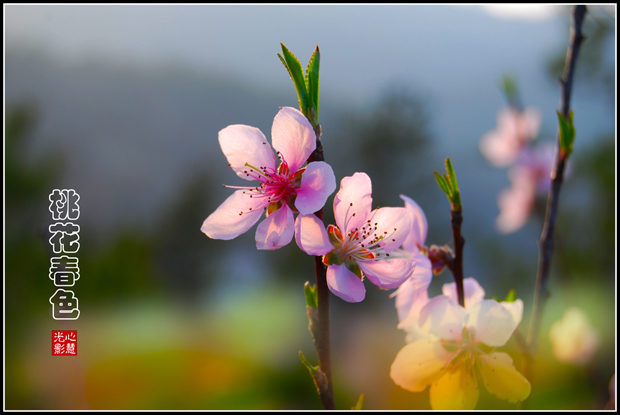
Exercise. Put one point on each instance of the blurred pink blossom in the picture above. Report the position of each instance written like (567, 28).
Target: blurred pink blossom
(362, 243)
(573, 338)
(531, 175)
(502, 146)
(281, 188)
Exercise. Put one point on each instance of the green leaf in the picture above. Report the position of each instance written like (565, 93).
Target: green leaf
(360, 403)
(442, 183)
(509, 87)
(320, 380)
(511, 297)
(567, 133)
(296, 72)
(455, 197)
(312, 83)
(453, 183)
(312, 300)
(307, 364)
(448, 183)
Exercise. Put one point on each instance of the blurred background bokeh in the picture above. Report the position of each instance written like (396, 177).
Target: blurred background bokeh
(124, 103)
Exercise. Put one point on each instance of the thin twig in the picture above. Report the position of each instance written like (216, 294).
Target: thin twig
(545, 243)
(456, 266)
(322, 339)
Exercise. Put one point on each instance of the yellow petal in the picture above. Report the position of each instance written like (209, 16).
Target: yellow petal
(453, 391)
(502, 379)
(418, 364)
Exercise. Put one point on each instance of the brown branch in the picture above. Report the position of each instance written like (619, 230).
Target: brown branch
(326, 393)
(456, 265)
(545, 243)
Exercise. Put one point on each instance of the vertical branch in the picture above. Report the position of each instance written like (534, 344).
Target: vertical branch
(322, 339)
(307, 88)
(449, 185)
(456, 219)
(545, 243)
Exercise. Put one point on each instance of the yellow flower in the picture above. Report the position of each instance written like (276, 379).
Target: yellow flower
(458, 350)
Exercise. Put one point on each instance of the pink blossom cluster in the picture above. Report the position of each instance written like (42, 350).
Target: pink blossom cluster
(364, 243)
(510, 145)
(449, 346)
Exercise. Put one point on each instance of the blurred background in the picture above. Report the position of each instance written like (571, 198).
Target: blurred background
(124, 104)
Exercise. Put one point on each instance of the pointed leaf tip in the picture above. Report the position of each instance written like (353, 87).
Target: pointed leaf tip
(310, 292)
(296, 72)
(442, 183)
(452, 176)
(359, 405)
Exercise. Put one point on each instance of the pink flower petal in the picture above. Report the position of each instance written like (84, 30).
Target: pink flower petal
(405, 295)
(474, 293)
(528, 124)
(277, 230)
(411, 296)
(226, 222)
(419, 226)
(502, 146)
(443, 318)
(354, 197)
(391, 223)
(515, 205)
(534, 166)
(243, 144)
(293, 137)
(317, 183)
(311, 236)
(345, 284)
(387, 274)
(410, 323)
(491, 323)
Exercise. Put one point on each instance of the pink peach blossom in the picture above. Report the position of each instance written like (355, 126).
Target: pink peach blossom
(529, 177)
(515, 129)
(281, 190)
(362, 243)
(573, 339)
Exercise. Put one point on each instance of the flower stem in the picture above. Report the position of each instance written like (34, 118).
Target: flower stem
(326, 394)
(545, 243)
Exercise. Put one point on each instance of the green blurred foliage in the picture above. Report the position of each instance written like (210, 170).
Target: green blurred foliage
(120, 269)
(587, 227)
(26, 260)
(188, 261)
